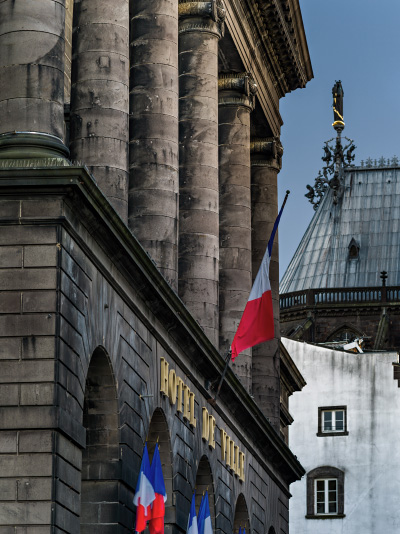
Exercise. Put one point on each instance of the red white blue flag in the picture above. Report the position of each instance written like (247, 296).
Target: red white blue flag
(144, 495)
(156, 525)
(257, 322)
(204, 516)
(192, 521)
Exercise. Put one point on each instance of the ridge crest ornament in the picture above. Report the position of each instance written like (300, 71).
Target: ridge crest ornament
(336, 156)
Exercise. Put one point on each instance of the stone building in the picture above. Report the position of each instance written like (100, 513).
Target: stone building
(344, 433)
(139, 154)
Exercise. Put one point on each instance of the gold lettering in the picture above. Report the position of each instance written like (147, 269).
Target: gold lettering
(179, 383)
(241, 466)
(164, 376)
(205, 429)
(232, 454)
(228, 451)
(172, 387)
(223, 444)
(211, 431)
(186, 392)
(192, 418)
(236, 460)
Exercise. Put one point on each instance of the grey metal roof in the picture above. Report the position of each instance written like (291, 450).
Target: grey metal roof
(368, 212)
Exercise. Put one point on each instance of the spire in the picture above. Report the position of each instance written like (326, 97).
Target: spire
(336, 156)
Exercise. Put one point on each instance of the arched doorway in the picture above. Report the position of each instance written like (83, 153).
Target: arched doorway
(100, 459)
(204, 482)
(241, 516)
(158, 432)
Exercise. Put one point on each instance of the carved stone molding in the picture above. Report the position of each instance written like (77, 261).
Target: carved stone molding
(237, 89)
(202, 16)
(266, 152)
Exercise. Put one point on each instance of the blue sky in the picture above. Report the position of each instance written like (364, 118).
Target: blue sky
(358, 42)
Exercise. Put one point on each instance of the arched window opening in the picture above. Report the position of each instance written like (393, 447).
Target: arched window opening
(204, 482)
(158, 432)
(100, 459)
(325, 493)
(354, 249)
(345, 333)
(241, 519)
(271, 530)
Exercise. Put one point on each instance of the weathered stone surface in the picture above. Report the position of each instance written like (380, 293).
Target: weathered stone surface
(154, 131)
(266, 366)
(99, 133)
(235, 225)
(198, 154)
(32, 61)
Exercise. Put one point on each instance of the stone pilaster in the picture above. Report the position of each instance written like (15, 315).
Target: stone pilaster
(236, 101)
(200, 28)
(100, 94)
(266, 155)
(32, 79)
(154, 180)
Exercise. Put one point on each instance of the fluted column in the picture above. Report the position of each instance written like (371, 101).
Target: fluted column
(99, 95)
(32, 79)
(236, 101)
(154, 181)
(200, 28)
(266, 155)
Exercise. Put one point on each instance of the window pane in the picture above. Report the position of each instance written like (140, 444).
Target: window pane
(320, 485)
(340, 420)
(320, 508)
(332, 485)
(327, 420)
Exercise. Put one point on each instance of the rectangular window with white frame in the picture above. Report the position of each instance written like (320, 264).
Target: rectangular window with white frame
(332, 420)
(326, 496)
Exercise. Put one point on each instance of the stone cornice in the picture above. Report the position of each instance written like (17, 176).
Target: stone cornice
(284, 41)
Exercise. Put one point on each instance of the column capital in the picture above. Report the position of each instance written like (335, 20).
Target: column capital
(266, 152)
(237, 89)
(202, 16)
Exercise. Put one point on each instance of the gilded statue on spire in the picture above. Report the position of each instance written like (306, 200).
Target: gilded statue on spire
(338, 94)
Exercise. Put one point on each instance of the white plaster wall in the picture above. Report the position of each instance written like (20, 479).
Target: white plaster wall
(369, 455)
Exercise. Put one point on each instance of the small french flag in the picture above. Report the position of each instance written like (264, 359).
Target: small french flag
(144, 495)
(257, 322)
(192, 522)
(156, 525)
(205, 525)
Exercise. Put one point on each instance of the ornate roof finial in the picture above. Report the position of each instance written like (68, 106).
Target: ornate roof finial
(336, 156)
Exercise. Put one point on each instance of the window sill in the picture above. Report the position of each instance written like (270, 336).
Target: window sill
(327, 516)
(323, 434)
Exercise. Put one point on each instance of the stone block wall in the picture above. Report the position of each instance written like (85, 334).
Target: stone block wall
(80, 380)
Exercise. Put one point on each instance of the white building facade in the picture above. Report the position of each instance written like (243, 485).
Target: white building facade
(346, 434)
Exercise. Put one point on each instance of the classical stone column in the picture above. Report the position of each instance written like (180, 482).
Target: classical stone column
(200, 28)
(32, 79)
(266, 155)
(153, 152)
(100, 93)
(236, 101)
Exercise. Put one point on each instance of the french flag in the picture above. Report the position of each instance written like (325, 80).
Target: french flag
(257, 322)
(156, 525)
(204, 519)
(192, 522)
(144, 495)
